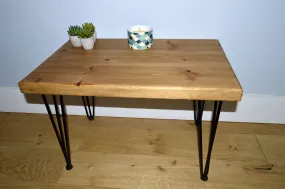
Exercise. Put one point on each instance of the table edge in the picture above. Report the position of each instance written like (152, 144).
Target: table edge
(133, 91)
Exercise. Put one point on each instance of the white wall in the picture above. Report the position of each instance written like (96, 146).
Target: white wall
(252, 33)
(253, 108)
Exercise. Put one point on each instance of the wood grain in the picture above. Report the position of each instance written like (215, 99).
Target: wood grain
(157, 138)
(123, 153)
(30, 165)
(2, 116)
(131, 171)
(171, 69)
(251, 128)
(274, 151)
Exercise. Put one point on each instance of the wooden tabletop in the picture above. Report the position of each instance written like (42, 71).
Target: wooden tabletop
(171, 69)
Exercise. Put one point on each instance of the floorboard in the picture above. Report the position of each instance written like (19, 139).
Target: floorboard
(123, 153)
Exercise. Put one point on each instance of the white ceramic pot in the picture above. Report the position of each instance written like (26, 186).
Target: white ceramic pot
(75, 41)
(95, 36)
(88, 43)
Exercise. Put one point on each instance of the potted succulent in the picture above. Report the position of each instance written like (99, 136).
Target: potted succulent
(73, 32)
(90, 26)
(86, 36)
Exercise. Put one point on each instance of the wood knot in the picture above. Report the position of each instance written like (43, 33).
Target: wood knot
(91, 68)
(170, 45)
(79, 83)
(38, 80)
(161, 169)
(234, 148)
(38, 139)
(191, 75)
(267, 167)
(263, 168)
(107, 59)
(192, 124)
(89, 167)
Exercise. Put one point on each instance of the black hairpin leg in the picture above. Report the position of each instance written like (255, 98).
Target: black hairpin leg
(61, 132)
(198, 113)
(90, 114)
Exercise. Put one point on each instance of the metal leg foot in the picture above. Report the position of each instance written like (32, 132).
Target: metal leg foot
(198, 113)
(204, 177)
(90, 114)
(61, 129)
(69, 167)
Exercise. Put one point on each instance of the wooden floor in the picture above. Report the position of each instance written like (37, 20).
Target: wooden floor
(115, 153)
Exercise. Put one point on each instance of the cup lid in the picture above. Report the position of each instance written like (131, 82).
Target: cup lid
(139, 28)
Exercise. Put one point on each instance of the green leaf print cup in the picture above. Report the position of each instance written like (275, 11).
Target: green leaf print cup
(140, 37)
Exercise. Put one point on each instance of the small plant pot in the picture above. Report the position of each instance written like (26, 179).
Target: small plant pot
(95, 36)
(75, 41)
(87, 43)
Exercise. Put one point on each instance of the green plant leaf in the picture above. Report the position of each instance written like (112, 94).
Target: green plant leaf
(86, 33)
(89, 26)
(74, 30)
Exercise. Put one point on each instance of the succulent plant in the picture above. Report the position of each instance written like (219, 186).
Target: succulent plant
(86, 33)
(88, 26)
(74, 30)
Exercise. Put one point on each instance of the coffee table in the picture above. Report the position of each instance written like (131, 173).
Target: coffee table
(189, 69)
